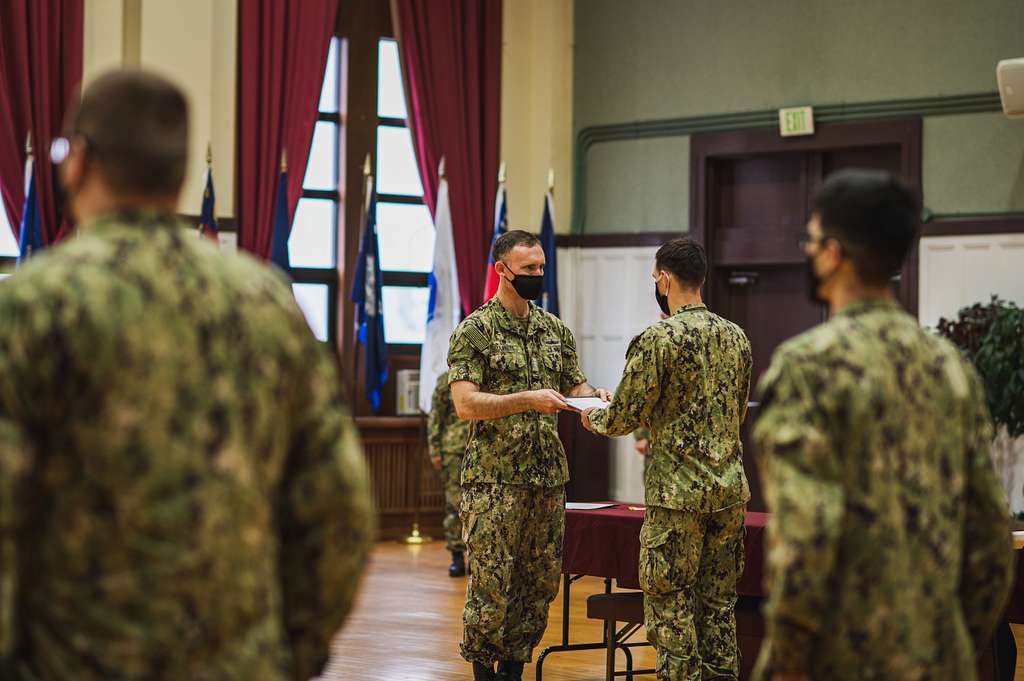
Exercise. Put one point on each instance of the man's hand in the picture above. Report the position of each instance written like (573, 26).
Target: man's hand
(643, 447)
(435, 461)
(603, 394)
(547, 401)
(585, 418)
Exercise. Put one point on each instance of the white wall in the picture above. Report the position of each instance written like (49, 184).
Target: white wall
(607, 298)
(192, 42)
(956, 271)
(536, 107)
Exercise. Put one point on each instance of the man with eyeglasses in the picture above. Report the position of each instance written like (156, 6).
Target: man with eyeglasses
(889, 552)
(686, 380)
(511, 364)
(182, 495)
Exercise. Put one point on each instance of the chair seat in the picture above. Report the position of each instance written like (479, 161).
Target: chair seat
(623, 606)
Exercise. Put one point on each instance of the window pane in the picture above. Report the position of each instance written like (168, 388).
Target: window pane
(390, 97)
(322, 158)
(405, 313)
(396, 162)
(312, 239)
(406, 237)
(313, 299)
(329, 91)
(8, 244)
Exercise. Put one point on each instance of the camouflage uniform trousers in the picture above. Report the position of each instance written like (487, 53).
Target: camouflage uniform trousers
(514, 535)
(451, 474)
(689, 565)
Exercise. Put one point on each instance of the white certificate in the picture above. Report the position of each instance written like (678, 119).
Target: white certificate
(584, 403)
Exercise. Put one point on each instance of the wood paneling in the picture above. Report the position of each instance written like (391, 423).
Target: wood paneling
(406, 489)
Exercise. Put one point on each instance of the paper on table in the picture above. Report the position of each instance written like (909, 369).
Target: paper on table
(584, 506)
(584, 403)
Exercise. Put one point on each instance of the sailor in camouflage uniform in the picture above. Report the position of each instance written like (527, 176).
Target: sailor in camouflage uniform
(510, 363)
(447, 438)
(181, 493)
(686, 379)
(889, 550)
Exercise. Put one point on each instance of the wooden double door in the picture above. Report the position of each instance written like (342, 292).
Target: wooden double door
(752, 194)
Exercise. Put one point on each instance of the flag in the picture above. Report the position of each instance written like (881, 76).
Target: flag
(30, 234)
(549, 299)
(500, 227)
(366, 294)
(279, 243)
(443, 306)
(207, 219)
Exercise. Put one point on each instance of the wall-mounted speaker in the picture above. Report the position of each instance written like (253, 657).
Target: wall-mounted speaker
(1010, 76)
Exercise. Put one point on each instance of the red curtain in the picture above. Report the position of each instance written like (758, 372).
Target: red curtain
(282, 53)
(40, 71)
(451, 60)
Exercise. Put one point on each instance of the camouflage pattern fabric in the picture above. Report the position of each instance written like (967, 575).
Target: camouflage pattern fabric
(182, 495)
(689, 565)
(514, 535)
(644, 434)
(447, 438)
(888, 549)
(686, 379)
(503, 356)
(513, 477)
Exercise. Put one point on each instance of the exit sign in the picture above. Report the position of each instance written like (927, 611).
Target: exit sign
(798, 120)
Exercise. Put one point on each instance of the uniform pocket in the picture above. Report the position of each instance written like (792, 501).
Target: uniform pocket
(503, 360)
(655, 559)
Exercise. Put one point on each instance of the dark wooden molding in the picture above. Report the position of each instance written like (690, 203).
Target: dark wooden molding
(823, 114)
(616, 239)
(388, 422)
(224, 224)
(957, 225)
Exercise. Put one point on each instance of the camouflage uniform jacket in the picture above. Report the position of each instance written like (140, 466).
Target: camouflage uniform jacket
(181, 493)
(504, 355)
(687, 379)
(447, 433)
(888, 544)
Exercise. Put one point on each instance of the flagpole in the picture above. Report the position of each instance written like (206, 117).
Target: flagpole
(415, 538)
(363, 209)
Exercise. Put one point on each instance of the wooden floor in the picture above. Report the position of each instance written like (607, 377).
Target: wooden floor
(408, 622)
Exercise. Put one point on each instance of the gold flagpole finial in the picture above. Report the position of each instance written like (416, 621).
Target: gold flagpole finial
(284, 160)
(440, 169)
(551, 180)
(28, 143)
(209, 155)
(366, 167)
(502, 172)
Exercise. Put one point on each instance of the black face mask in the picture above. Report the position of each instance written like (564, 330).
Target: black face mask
(528, 286)
(662, 299)
(812, 282)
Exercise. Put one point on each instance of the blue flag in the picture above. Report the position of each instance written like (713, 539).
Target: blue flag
(207, 219)
(30, 235)
(279, 243)
(366, 294)
(549, 299)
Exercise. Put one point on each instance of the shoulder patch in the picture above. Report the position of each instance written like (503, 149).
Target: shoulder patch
(476, 338)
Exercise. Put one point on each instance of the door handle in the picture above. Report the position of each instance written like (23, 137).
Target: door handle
(742, 278)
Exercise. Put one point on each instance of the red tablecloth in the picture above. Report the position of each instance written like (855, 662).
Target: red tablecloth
(606, 543)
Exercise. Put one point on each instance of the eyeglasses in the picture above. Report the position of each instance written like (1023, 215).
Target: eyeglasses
(60, 147)
(808, 240)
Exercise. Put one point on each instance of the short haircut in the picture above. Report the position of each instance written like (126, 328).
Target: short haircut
(509, 240)
(874, 216)
(684, 258)
(135, 126)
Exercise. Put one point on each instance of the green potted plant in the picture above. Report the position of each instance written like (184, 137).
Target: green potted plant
(992, 337)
